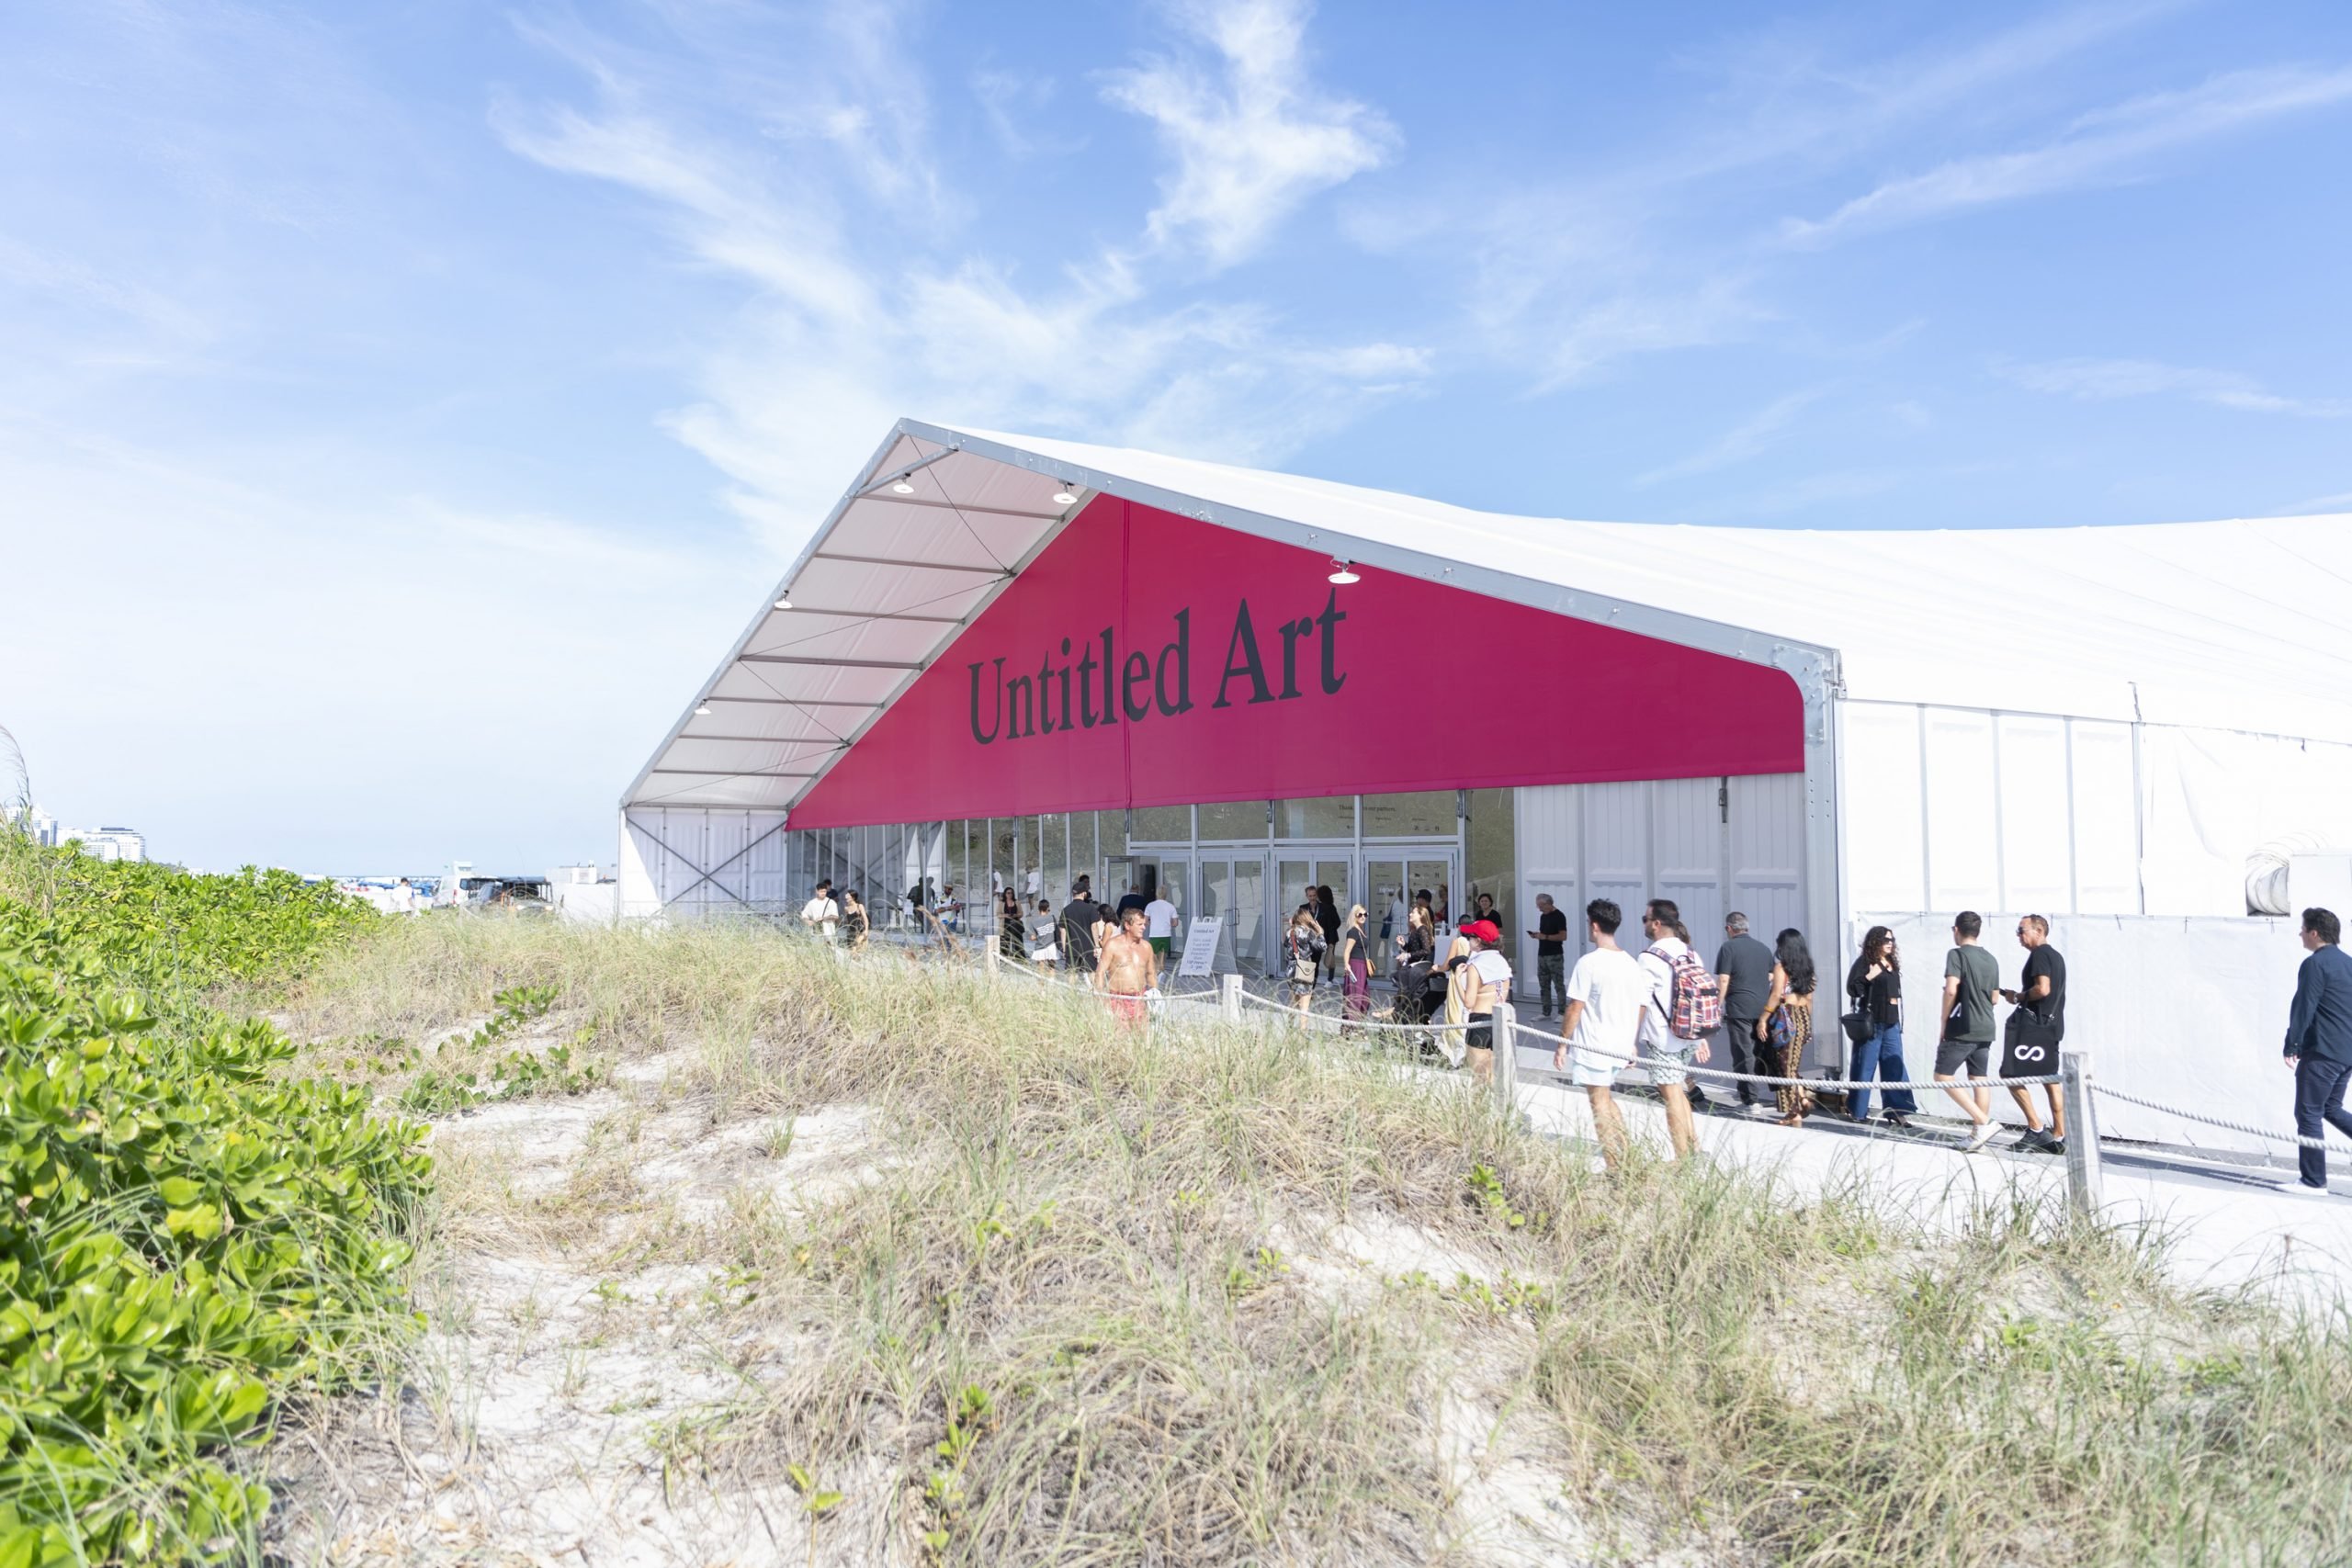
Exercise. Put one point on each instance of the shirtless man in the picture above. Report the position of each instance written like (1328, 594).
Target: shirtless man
(1128, 968)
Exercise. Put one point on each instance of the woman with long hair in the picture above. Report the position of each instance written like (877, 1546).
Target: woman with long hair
(1787, 1023)
(1874, 984)
(1327, 915)
(1012, 934)
(855, 921)
(1415, 949)
(1354, 964)
(1303, 949)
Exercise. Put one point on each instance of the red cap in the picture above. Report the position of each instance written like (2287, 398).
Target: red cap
(1484, 931)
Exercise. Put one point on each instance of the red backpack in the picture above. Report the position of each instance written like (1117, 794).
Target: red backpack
(1697, 1005)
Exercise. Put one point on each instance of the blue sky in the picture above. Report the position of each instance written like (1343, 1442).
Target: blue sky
(401, 407)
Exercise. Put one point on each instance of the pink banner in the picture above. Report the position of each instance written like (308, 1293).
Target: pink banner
(1146, 659)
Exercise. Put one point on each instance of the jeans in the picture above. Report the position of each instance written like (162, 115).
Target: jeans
(1881, 1056)
(2319, 1101)
(1550, 977)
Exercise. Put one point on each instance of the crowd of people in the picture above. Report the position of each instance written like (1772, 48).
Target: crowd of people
(1659, 1008)
(1663, 1009)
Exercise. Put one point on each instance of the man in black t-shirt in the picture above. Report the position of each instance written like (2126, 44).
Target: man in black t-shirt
(1744, 980)
(2030, 1038)
(1078, 919)
(1551, 934)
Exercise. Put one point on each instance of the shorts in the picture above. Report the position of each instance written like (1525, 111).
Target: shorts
(1669, 1062)
(1480, 1034)
(1951, 1054)
(1126, 1008)
(1159, 944)
(1592, 1069)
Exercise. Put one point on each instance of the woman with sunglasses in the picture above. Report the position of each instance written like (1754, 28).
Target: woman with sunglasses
(1876, 986)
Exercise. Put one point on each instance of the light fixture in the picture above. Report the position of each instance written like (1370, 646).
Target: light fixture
(784, 600)
(1065, 496)
(702, 709)
(903, 484)
(1342, 573)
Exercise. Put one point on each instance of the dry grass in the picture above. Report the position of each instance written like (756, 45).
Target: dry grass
(1022, 1286)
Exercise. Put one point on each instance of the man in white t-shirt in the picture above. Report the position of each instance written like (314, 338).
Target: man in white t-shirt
(1482, 995)
(1669, 1058)
(820, 914)
(1159, 924)
(1608, 992)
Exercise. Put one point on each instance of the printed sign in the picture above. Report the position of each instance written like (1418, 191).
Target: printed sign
(1200, 948)
(1145, 658)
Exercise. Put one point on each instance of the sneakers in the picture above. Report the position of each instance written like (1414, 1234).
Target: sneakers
(2035, 1139)
(1981, 1136)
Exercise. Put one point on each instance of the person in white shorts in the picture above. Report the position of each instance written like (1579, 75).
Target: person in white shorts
(1669, 1058)
(1607, 993)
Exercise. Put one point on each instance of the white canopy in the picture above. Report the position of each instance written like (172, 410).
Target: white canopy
(2237, 626)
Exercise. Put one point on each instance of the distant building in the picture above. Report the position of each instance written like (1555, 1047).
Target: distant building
(40, 823)
(107, 844)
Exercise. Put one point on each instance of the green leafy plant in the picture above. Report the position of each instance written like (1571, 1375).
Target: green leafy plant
(188, 1230)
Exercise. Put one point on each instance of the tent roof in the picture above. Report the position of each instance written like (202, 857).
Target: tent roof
(2236, 624)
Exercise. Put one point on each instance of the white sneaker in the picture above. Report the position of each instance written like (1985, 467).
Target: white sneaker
(1979, 1138)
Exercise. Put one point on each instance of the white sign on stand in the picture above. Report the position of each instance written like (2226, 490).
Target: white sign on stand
(1200, 948)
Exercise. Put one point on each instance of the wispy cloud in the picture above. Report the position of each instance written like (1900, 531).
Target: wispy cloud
(1251, 140)
(2098, 380)
(2101, 147)
(1751, 437)
(843, 333)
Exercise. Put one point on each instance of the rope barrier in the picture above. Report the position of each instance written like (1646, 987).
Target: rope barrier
(2097, 1087)
(1863, 1083)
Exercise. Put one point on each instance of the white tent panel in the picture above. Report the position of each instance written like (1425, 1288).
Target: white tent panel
(1963, 826)
(2104, 781)
(1885, 838)
(2036, 848)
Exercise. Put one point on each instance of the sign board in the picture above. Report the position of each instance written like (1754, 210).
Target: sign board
(1147, 659)
(1200, 948)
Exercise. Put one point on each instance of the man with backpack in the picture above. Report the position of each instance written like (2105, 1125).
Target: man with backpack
(1684, 1009)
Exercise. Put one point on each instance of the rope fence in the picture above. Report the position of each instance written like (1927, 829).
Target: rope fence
(2225, 1125)
(1230, 997)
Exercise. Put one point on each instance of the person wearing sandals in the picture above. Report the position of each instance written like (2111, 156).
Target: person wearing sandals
(1303, 949)
(1787, 1025)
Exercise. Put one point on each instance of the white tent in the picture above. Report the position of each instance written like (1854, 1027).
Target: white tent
(2097, 724)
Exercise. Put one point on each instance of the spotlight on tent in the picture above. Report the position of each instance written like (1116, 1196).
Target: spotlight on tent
(784, 600)
(903, 485)
(1343, 572)
(702, 709)
(1066, 495)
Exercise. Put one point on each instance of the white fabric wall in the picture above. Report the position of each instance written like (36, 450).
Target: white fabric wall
(1677, 839)
(1951, 809)
(665, 852)
(2185, 1012)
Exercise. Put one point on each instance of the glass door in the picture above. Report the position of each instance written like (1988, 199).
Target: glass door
(1235, 891)
(1173, 886)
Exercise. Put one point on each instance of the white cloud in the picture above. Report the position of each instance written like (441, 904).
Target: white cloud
(843, 333)
(1255, 139)
(2098, 148)
(2098, 380)
(1751, 437)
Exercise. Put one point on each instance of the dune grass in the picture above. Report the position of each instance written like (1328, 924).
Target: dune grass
(1072, 1316)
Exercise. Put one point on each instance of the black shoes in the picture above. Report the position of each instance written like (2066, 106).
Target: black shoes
(1899, 1118)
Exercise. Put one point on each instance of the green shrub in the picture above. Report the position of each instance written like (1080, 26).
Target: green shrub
(185, 1232)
